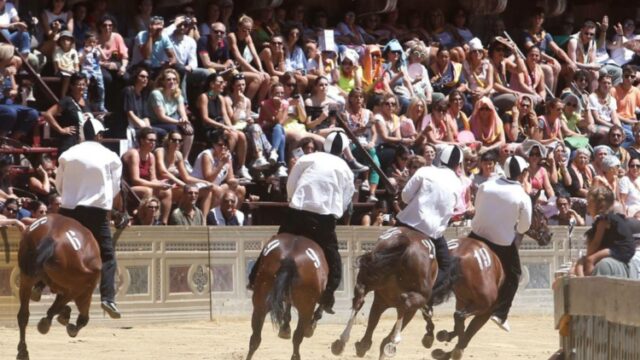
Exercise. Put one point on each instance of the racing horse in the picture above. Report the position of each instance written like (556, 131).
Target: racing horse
(401, 271)
(476, 289)
(63, 254)
(292, 271)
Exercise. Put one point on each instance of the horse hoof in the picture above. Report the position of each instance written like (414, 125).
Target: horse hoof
(456, 354)
(390, 349)
(285, 332)
(72, 330)
(427, 341)
(439, 354)
(23, 355)
(337, 347)
(443, 336)
(43, 325)
(64, 316)
(362, 348)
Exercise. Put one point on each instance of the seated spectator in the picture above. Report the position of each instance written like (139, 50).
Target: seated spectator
(297, 59)
(516, 124)
(54, 19)
(274, 57)
(387, 129)
(378, 216)
(212, 15)
(604, 106)
(295, 126)
(486, 125)
(266, 27)
(581, 174)
(456, 116)
(445, 35)
(321, 110)
(532, 81)
(578, 117)
(415, 121)
(187, 213)
(135, 105)
(66, 60)
(13, 28)
(372, 32)
(615, 137)
(273, 114)
(627, 98)
(80, 24)
(415, 162)
(446, 75)
(581, 49)
(305, 146)
(90, 57)
(418, 72)
(8, 217)
(396, 79)
(538, 174)
(609, 177)
(167, 110)
(153, 48)
(459, 22)
(54, 201)
(148, 212)
(244, 53)
(566, 215)
(499, 54)
(629, 189)
(416, 27)
(214, 50)
(16, 120)
(213, 114)
(348, 32)
(623, 33)
(428, 153)
(37, 209)
(397, 172)
(610, 234)
(42, 182)
(554, 125)
(557, 165)
(348, 75)
(170, 166)
(140, 172)
(634, 147)
(114, 61)
(488, 170)
(439, 131)
(478, 72)
(63, 117)
(227, 214)
(215, 165)
(142, 18)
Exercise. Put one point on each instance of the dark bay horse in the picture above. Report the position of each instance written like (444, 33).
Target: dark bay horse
(476, 289)
(292, 272)
(64, 255)
(401, 271)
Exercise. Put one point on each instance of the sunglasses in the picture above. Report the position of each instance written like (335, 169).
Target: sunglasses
(634, 166)
(176, 140)
(219, 32)
(11, 210)
(390, 103)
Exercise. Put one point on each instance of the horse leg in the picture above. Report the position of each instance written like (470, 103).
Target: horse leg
(257, 321)
(83, 302)
(57, 307)
(26, 283)
(285, 328)
(377, 308)
(389, 344)
(427, 314)
(305, 325)
(459, 317)
(476, 324)
(358, 301)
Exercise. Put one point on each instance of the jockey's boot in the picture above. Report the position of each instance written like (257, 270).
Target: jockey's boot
(111, 309)
(326, 302)
(502, 323)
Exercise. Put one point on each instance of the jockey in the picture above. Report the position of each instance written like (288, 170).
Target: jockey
(320, 188)
(503, 212)
(431, 196)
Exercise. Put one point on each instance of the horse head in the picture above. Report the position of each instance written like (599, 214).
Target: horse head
(539, 230)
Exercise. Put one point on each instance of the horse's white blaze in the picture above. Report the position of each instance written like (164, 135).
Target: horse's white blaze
(314, 257)
(37, 223)
(389, 233)
(429, 245)
(270, 246)
(73, 239)
(453, 244)
(483, 258)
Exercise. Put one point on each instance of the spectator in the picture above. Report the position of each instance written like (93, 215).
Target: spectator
(378, 216)
(396, 79)
(445, 35)
(135, 103)
(516, 125)
(90, 57)
(153, 48)
(273, 114)
(558, 168)
(581, 49)
(213, 15)
(566, 216)
(446, 75)
(54, 19)
(532, 81)
(297, 60)
(214, 51)
(458, 20)
(486, 125)
(114, 61)
(266, 27)
(66, 60)
(415, 28)
(478, 72)
(578, 117)
(170, 166)
(142, 19)
(418, 73)
(213, 114)
(347, 77)
(80, 24)
(634, 148)
(500, 50)
(244, 53)
(629, 189)
(604, 106)
(387, 129)
(615, 138)
(321, 110)
(348, 32)
(63, 117)
(428, 154)
(37, 209)
(609, 178)
(488, 169)
(187, 213)
(140, 172)
(458, 118)
(397, 171)
(54, 201)
(599, 153)
(623, 33)
(415, 118)
(148, 212)
(274, 57)
(627, 98)
(42, 182)
(15, 120)
(554, 125)
(227, 214)
(13, 28)
(167, 110)
(9, 214)
(538, 175)
(439, 130)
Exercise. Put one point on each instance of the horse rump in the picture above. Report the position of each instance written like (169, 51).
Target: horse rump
(375, 265)
(281, 291)
(34, 260)
(444, 290)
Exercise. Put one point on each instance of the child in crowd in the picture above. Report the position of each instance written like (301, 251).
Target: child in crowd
(90, 56)
(610, 234)
(66, 61)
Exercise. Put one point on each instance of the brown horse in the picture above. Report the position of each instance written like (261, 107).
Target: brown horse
(401, 271)
(292, 272)
(476, 290)
(64, 255)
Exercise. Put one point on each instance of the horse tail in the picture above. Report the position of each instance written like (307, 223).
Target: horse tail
(375, 265)
(42, 254)
(443, 292)
(281, 290)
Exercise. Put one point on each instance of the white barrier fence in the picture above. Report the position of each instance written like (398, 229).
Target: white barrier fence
(175, 272)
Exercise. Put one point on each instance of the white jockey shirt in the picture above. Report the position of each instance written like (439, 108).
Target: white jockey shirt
(320, 183)
(89, 175)
(502, 209)
(431, 196)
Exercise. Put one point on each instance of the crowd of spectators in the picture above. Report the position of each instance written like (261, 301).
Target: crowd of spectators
(213, 105)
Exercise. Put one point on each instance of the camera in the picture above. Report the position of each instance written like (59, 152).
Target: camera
(188, 21)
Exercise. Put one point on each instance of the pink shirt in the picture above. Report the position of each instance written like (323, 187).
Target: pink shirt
(116, 43)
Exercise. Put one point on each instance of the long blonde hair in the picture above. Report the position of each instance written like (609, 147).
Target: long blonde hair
(162, 77)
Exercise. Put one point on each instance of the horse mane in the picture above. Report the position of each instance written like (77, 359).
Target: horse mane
(373, 266)
(281, 290)
(42, 254)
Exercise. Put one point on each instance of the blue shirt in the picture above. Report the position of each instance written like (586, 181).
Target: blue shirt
(158, 49)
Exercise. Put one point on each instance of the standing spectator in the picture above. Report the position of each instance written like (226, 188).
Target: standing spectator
(90, 56)
(64, 117)
(88, 179)
(227, 214)
(66, 60)
(187, 213)
(114, 61)
(153, 48)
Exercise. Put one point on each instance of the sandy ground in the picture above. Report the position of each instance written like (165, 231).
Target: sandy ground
(532, 337)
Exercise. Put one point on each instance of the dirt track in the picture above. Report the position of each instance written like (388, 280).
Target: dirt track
(532, 337)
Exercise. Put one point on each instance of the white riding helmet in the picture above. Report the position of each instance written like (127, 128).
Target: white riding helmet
(514, 166)
(336, 142)
(451, 156)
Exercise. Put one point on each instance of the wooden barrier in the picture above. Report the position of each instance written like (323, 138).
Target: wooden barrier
(174, 272)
